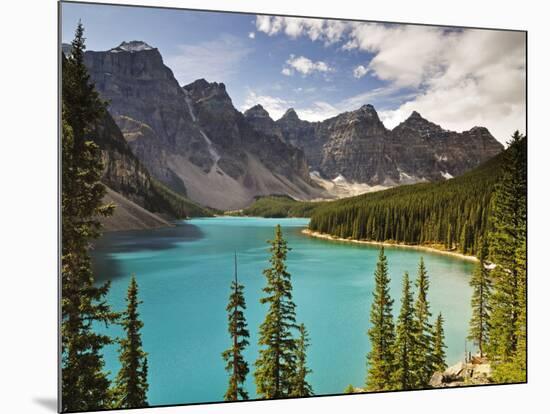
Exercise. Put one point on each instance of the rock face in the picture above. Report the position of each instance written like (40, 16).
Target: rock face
(260, 120)
(146, 101)
(122, 172)
(357, 146)
(140, 201)
(192, 138)
(429, 151)
(129, 215)
(310, 136)
(476, 372)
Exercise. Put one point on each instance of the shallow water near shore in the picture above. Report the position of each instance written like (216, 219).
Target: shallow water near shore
(184, 274)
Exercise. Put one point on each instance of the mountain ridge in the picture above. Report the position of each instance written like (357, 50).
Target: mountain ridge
(193, 139)
(415, 150)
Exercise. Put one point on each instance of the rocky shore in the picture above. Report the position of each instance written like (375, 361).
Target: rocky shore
(325, 236)
(476, 372)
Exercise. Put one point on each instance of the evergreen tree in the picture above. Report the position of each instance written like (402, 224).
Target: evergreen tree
(439, 355)
(520, 360)
(131, 382)
(382, 336)
(236, 365)
(405, 342)
(507, 251)
(451, 214)
(85, 385)
(423, 365)
(300, 386)
(481, 291)
(276, 365)
(349, 389)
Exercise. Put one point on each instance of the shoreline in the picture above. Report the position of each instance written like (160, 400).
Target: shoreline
(329, 237)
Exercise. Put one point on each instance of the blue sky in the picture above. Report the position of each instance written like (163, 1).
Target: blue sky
(323, 67)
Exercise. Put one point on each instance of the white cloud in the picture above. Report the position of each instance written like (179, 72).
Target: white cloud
(215, 60)
(311, 89)
(462, 107)
(359, 71)
(287, 72)
(318, 111)
(276, 107)
(459, 78)
(251, 35)
(329, 31)
(482, 83)
(263, 24)
(353, 102)
(304, 66)
(405, 54)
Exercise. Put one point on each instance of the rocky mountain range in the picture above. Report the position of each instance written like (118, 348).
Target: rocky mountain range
(142, 201)
(194, 141)
(357, 147)
(192, 138)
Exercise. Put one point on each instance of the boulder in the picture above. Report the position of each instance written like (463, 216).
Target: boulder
(437, 380)
(476, 372)
(455, 372)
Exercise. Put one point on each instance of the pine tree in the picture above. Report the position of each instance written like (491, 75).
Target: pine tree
(350, 389)
(300, 386)
(423, 365)
(518, 371)
(85, 384)
(405, 341)
(381, 333)
(439, 355)
(514, 369)
(276, 365)
(131, 382)
(236, 365)
(453, 213)
(507, 251)
(481, 292)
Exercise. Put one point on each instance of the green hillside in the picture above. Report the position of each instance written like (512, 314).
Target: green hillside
(276, 206)
(168, 201)
(450, 214)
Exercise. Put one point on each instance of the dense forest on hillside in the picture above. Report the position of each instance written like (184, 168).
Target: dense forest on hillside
(276, 206)
(451, 214)
(175, 204)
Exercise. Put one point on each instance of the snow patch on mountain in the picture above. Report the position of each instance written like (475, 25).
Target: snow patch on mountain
(213, 153)
(132, 46)
(340, 187)
(405, 178)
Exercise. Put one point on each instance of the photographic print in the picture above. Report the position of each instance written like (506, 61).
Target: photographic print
(262, 207)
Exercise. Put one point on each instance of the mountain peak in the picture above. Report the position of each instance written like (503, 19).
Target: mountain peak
(366, 113)
(257, 111)
(367, 108)
(420, 124)
(204, 91)
(479, 129)
(290, 114)
(131, 46)
(202, 84)
(198, 84)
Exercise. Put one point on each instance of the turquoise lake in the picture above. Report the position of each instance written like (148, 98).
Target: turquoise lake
(184, 274)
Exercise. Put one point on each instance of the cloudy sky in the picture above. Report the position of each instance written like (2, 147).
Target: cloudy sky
(456, 78)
